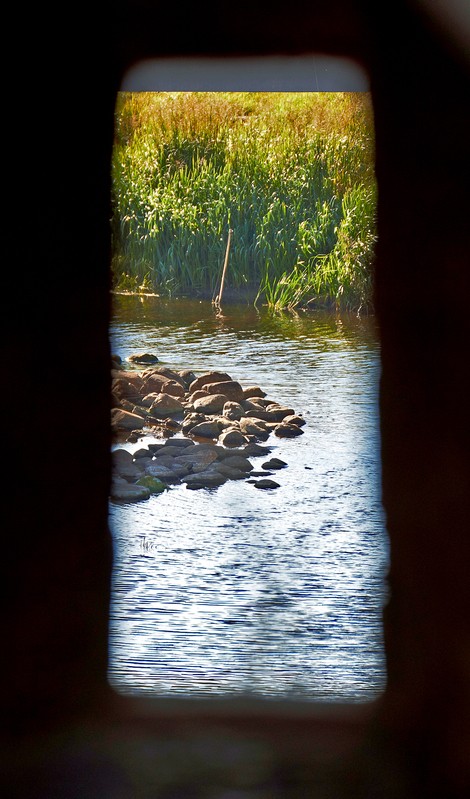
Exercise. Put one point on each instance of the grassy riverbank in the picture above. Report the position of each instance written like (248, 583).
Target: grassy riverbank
(291, 174)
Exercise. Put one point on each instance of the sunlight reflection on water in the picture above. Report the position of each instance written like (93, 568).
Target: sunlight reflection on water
(235, 590)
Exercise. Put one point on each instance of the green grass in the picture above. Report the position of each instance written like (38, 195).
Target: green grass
(291, 173)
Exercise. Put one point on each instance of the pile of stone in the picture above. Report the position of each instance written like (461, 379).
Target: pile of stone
(207, 427)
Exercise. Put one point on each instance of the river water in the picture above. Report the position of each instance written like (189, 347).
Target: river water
(236, 591)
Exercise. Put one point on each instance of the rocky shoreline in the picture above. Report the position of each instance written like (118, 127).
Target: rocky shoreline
(207, 429)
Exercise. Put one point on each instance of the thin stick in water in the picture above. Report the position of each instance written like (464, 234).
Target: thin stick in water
(218, 299)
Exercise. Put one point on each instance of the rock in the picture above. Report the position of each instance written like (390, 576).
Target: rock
(198, 458)
(144, 452)
(279, 412)
(254, 428)
(226, 424)
(263, 473)
(294, 419)
(167, 451)
(263, 414)
(190, 420)
(129, 471)
(165, 405)
(266, 484)
(154, 485)
(187, 376)
(231, 389)
(172, 426)
(145, 357)
(164, 473)
(233, 410)
(121, 457)
(229, 472)
(287, 430)
(210, 478)
(232, 438)
(166, 462)
(125, 420)
(190, 400)
(253, 391)
(255, 404)
(121, 491)
(208, 429)
(164, 371)
(208, 377)
(256, 450)
(274, 463)
(238, 462)
(162, 385)
(123, 389)
(180, 443)
(213, 403)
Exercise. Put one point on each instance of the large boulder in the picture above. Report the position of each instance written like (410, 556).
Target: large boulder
(125, 420)
(161, 384)
(210, 478)
(166, 405)
(287, 430)
(233, 411)
(231, 389)
(232, 438)
(239, 462)
(154, 485)
(213, 403)
(256, 428)
(209, 429)
(198, 457)
(122, 491)
(165, 371)
(143, 357)
(208, 377)
(253, 391)
(123, 391)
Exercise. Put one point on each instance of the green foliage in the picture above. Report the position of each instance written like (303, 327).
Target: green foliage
(291, 174)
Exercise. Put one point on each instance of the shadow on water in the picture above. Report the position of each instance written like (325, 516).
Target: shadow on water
(235, 590)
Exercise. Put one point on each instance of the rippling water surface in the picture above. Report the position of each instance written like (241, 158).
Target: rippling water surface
(235, 590)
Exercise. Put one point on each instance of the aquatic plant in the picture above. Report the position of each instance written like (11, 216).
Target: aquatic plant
(291, 174)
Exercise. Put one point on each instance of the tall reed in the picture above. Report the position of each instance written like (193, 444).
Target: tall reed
(291, 174)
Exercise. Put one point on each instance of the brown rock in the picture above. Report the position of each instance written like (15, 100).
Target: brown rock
(231, 389)
(197, 395)
(163, 385)
(253, 391)
(164, 371)
(145, 357)
(255, 428)
(125, 420)
(232, 438)
(266, 484)
(122, 388)
(213, 403)
(210, 478)
(239, 462)
(198, 457)
(165, 405)
(233, 411)
(294, 419)
(208, 377)
(191, 420)
(207, 429)
(287, 430)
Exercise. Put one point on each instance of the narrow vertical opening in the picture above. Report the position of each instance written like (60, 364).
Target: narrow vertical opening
(231, 589)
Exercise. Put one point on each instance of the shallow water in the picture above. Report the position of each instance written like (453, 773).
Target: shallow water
(235, 590)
